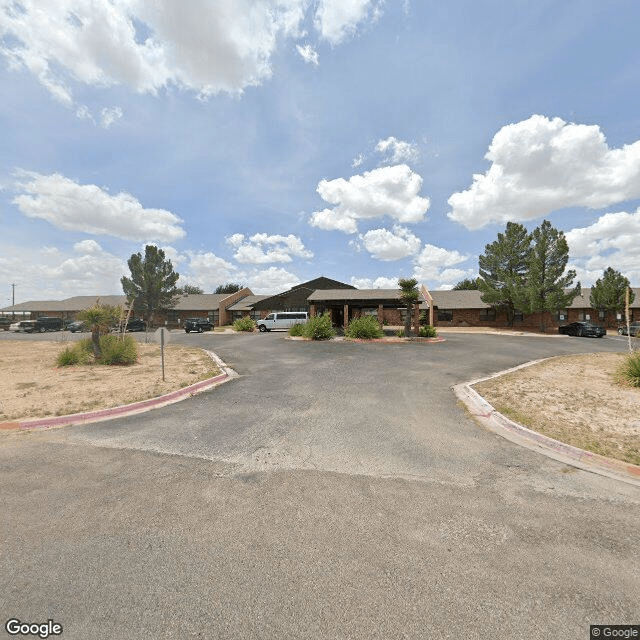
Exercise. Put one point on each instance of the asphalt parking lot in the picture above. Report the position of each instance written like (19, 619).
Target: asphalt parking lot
(333, 490)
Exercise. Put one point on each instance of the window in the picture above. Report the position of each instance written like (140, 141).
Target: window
(561, 315)
(581, 316)
(445, 315)
(487, 314)
(518, 316)
(602, 314)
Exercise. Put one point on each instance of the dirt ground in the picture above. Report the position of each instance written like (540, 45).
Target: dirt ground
(31, 385)
(574, 399)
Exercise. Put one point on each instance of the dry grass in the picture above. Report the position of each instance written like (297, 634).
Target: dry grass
(575, 399)
(33, 386)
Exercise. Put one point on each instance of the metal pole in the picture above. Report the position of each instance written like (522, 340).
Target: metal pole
(162, 350)
(13, 301)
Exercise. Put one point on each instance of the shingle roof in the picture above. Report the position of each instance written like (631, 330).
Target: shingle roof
(465, 299)
(246, 304)
(200, 302)
(331, 295)
(582, 301)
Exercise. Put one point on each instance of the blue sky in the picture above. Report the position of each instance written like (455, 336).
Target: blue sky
(270, 142)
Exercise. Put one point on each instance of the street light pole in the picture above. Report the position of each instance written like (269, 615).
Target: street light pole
(13, 301)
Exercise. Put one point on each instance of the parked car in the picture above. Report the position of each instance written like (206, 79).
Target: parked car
(583, 329)
(282, 320)
(77, 325)
(197, 324)
(26, 326)
(48, 323)
(136, 324)
(634, 329)
(5, 323)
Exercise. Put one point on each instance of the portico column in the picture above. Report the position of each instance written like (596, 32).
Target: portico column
(312, 310)
(346, 316)
(380, 314)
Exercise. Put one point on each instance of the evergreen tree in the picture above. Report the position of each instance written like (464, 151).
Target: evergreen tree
(503, 270)
(152, 285)
(608, 293)
(189, 289)
(230, 287)
(410, 294)
(547, 282)
(467, 284)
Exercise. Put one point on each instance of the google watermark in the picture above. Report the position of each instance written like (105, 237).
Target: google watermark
(15, 627)
(626, 631)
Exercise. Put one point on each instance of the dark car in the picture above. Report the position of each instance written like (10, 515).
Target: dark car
(583, 329)
(197, 324)
(136, 324)
(77, 325)
(5, 323)
(634, 329)
(48, 323)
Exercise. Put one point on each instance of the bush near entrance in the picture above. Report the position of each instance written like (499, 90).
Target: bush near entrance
(366, 327)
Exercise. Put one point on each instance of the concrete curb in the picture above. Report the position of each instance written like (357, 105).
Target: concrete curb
(127, 409)
(491, 419)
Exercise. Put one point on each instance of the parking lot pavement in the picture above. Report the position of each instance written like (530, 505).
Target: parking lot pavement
(334, 490)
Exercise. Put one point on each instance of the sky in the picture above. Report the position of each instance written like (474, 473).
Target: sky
(270, 142)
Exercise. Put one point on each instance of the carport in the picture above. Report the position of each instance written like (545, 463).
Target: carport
(345, 304)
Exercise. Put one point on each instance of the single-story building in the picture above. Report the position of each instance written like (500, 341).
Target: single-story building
(346, 304)
(466, 309)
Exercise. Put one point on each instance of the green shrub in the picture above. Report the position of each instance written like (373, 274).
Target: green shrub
(244, 324)
(116, 350)
(427, 331)
(366, 327)
(297, 329)
(630, 369)
(400, 333)
(77, 353)
(68, 357)
(319, 328)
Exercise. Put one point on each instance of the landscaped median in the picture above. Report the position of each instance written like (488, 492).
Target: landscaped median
(34, 392)
(575, 408)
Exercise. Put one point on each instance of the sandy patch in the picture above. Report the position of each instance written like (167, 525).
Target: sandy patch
(574, 399)
(31, 385)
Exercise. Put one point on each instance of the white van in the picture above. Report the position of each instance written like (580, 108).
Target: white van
(282, 320)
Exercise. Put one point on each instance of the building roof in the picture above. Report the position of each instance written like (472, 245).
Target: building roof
(300, 291)
(452, 299)
(356, 295)
(76, 303)
(583, 300)
(200, 301)
(246, 304)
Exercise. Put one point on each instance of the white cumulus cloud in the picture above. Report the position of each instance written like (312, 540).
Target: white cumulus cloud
(612, 241)
(337, 19)
(262, 248)
(271, 280)
(308, 54)
(397, 151)
(380, 282)
(434, 264)
(540, 165)
(88, 208)
(207, 270)
(387, 245)
(384, 192)
(202, 46)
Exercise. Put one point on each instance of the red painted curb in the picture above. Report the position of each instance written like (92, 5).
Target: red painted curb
(116, 412)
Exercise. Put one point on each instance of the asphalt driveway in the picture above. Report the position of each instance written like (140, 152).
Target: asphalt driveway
(333, 490)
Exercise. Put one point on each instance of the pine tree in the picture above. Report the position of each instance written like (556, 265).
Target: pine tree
(547, 283)
(608, 293)
(467, 284)
(152, 285)
(503, 269)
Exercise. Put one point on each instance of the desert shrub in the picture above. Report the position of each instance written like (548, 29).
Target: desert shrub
(116, 350)
(366, 327)
(630, 369)
(319, 328)
(77, 353)
(68, 357)
(400, 333)
(297, 329)
(427, 331)
(244, 324)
